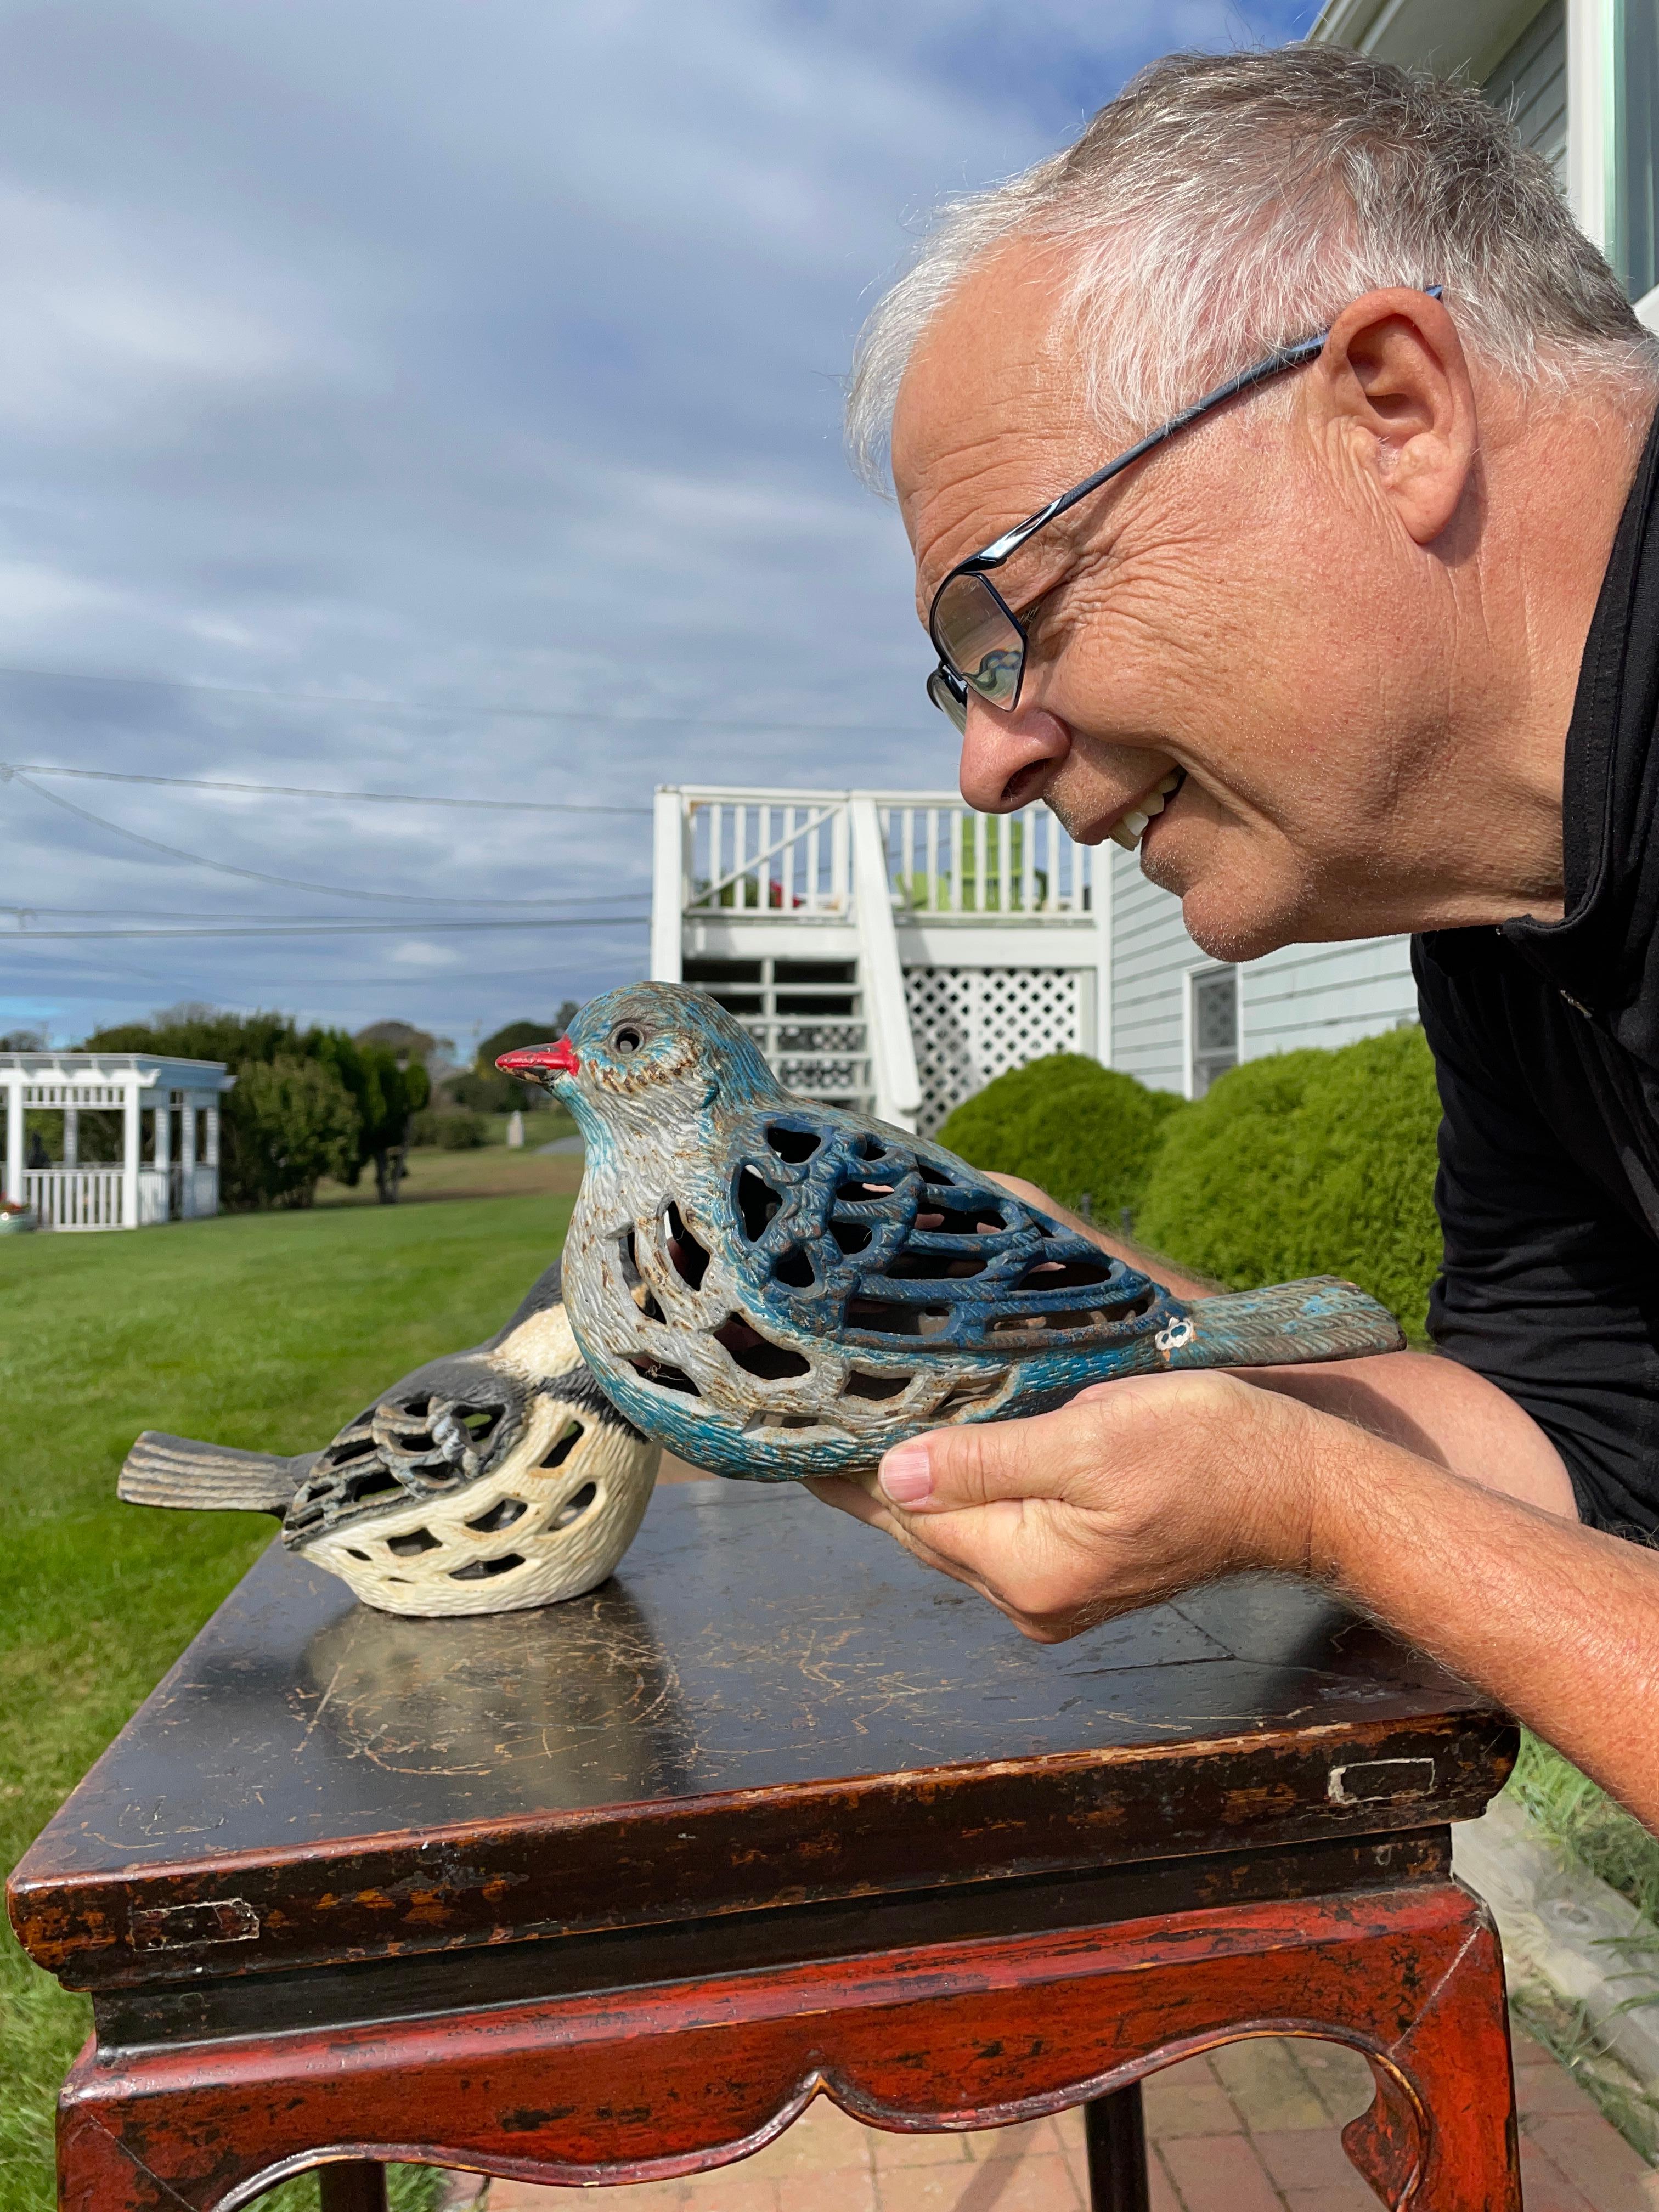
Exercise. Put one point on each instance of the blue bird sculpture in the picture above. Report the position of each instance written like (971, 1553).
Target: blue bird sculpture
(775, 1289)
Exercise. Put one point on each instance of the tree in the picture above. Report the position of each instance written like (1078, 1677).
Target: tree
(255, 1161)
(299, 1124)
(386, 1095)
(403, 1041)
(484, 1089)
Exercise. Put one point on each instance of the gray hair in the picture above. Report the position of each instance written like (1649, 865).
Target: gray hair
(1233, 202)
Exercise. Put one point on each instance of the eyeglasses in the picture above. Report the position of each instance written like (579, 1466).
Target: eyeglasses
(981, 642)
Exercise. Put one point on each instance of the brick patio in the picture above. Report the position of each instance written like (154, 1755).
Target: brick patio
(1252, 2129)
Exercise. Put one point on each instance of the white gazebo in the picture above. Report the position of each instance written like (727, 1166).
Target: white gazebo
(158, 1179)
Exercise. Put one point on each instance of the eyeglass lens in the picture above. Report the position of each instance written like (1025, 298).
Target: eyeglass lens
(972, 630)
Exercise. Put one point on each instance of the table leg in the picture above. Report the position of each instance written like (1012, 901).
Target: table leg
(353, 2184)
(1114, 2130)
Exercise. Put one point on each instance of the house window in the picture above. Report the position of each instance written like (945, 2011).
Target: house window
(1213, 1026)
(1636, 141)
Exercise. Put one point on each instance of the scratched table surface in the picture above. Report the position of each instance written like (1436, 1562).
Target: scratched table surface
(768, 1702)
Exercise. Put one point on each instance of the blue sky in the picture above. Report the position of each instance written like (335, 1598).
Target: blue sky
(441, 396)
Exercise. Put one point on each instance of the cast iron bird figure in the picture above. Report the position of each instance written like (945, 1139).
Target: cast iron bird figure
(484, 1482)
(774, 1289)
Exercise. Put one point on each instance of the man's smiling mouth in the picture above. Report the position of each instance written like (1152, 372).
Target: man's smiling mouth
(1131, 825)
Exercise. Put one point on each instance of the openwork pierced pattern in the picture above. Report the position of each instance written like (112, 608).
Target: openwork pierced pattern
(773, 1288)
(970, 1023)
(850, 1286)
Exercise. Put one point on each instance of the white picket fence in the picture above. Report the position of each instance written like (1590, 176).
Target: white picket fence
(76, 1198)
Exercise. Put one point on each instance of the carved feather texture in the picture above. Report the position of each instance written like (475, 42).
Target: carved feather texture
(164, 1470)
(777, 1289)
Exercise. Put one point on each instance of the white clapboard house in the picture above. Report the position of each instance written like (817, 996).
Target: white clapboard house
(890, 947)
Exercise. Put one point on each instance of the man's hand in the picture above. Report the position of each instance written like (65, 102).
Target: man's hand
(1131, 1493)
(1444, 1412)
(1139, 1490)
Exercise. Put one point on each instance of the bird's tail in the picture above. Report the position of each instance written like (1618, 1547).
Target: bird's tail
(1287, 1324)
(163, 1470)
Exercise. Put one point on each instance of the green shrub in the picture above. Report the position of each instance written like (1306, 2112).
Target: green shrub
(1312, 1163)
(256, 1155)
(453, 1133)
(299, 1124)
(1065, 1122)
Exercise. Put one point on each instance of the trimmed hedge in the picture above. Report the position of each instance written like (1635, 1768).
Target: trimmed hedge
(1313, 1162)
(1067, 1123)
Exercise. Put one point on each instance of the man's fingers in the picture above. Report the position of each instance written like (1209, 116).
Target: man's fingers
(985, 1464)
(1059, 1455)
(851, 1497)
(963, 1467)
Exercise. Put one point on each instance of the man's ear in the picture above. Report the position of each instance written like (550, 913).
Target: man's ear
(1392, 394)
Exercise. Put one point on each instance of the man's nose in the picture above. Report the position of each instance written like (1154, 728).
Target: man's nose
(1009, 760)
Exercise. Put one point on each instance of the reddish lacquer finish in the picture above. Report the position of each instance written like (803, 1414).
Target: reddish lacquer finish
(672, 2080)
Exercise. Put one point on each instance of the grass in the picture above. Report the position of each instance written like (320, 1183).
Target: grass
(491, 1171)
(266, 1331)
(1605, 1839)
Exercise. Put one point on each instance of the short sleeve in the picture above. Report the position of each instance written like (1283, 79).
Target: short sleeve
(1548, 1286)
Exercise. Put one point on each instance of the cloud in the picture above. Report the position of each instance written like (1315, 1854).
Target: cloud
(481, 359)
(414, 952)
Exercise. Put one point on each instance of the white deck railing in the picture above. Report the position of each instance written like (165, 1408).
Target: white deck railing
(728, 866)
(788, 854)
(75, 1198)
(945, 859)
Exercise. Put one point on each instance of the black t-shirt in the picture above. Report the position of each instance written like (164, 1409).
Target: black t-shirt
(1545, 1039)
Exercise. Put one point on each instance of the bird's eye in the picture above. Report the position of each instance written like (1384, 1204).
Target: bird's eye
(626, 1040)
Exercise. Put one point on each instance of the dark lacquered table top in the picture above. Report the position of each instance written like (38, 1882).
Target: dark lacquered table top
(766, 1700)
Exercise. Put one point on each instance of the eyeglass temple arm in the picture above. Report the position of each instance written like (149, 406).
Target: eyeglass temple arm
(1290, 356)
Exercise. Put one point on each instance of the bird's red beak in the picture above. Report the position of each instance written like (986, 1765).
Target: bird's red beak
(533, 1061)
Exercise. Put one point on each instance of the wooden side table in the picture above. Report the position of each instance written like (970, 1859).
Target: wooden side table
(607, 1893)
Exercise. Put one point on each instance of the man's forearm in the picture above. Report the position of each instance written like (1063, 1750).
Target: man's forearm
(1558, 1623)
(1441, 1412)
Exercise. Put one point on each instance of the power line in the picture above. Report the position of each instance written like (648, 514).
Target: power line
(478, 707)
(434, 978)
(415, 925)
(249, 875)
(408, 981)
(25, 913)
(305, 791)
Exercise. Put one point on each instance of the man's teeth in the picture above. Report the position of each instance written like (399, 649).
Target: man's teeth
(1131, 826)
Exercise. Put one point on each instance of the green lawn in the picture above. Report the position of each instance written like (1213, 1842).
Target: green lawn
(266, 1331)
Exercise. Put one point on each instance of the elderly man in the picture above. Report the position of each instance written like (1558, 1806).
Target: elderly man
(1358, 633)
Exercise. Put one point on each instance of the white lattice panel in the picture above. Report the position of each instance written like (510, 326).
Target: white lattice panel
(970, 1023)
